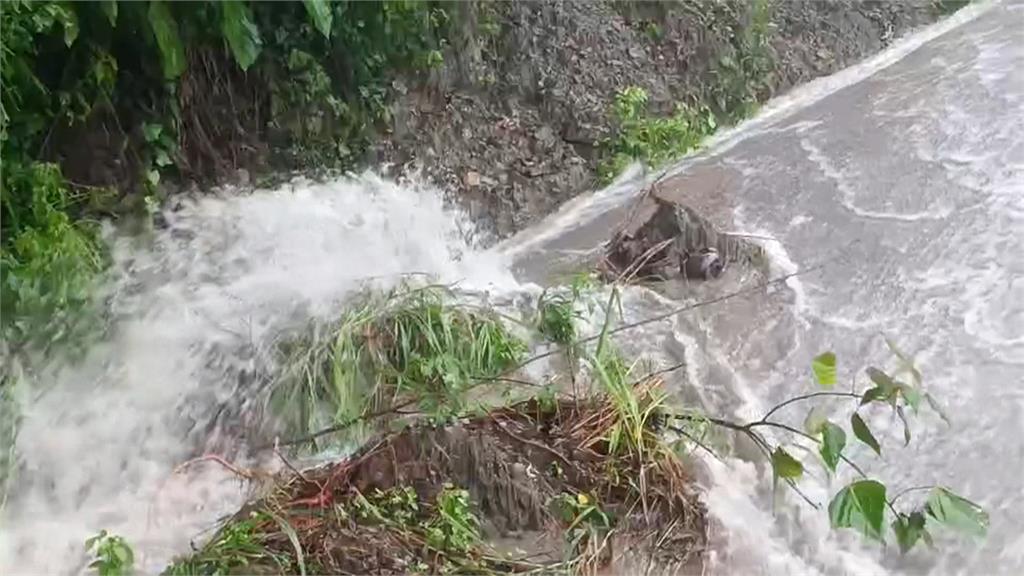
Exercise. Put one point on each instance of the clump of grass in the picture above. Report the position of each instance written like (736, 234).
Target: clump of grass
(559, 310)
(234, 550)
(636, 404)
(416, 343)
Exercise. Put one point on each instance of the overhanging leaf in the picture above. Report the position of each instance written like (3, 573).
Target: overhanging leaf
(863, 433)
(911, 395)
(239, 30)
(909, 529)
(881, 379)
(165, 30)
(860, 506)
(824, 366)
(833, 440)
(152, 131)
(320, 14)
(784, 465)
(872, 394)
(957, 512)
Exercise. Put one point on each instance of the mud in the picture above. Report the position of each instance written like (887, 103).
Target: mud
(517, 463)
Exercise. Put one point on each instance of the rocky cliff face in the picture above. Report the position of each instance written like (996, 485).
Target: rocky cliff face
(514, 122)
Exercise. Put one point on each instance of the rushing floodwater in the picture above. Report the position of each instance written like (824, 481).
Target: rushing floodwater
(906, 174)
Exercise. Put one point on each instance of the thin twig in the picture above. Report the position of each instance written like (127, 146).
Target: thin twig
(905, 491)
(669, 314)
(247, 474)
(288, 464)
(805, 397)
(695, 440)
(340, 426)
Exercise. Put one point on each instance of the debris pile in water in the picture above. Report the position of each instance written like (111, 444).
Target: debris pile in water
(664, 238)
(543, 484)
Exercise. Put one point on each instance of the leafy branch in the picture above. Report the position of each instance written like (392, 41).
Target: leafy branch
(862, 504)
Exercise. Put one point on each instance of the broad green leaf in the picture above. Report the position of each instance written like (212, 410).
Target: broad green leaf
(165, 30)
(957, 512)
(824, 366)
(881, 379)
(784, 465)
(110, 9)
(872, 394)
(833, 440)
(815, 420)
(239, 30)
(906, 425)
(911, 395)
(861, 506)
(151, 131)
(909, 529)
(123, 553)
(320, 14)
(861, 431)
(162, 159)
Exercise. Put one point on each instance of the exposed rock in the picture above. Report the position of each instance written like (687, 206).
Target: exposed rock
(530, 104)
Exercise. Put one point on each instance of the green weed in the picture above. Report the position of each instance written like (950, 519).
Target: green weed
(558, 310)
(454, 528)
(48, 262)
(112, 555)
(414, 343)
(587, 526)
(652, 141)
(742, 77)
(236, 548)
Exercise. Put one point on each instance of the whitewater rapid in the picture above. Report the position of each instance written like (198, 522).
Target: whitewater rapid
(906, 170)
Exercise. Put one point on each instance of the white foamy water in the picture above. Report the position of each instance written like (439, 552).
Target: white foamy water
(98, 448)
(904, 174)
(909, 165)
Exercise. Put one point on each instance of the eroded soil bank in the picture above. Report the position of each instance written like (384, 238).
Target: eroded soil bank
(534, 486)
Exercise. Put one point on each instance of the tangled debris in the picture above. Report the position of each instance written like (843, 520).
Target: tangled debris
(664, 238)
(541, 485)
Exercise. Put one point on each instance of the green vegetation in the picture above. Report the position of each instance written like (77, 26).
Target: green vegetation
(743, 76)
(737, 82)
(411, 342)
(115, 94)
(653, 141)
(559, 310)
(238, 547)
(864, 504)
(625, 424)
(112, 555)
(455, 526)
